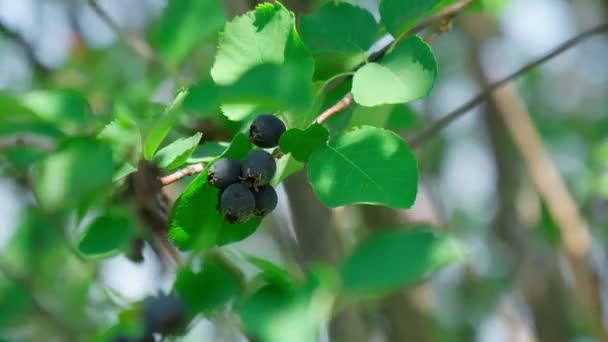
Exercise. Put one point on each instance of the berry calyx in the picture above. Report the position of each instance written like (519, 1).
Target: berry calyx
(265, 200)
(236, 203)
(266, 130)
(258, 169)
(224, 172)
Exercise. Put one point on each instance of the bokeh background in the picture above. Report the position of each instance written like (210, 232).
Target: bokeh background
(517, 285)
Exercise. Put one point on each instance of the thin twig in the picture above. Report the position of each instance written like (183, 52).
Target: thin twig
(181, 173)
(336, 108)
(443, 16)
(444, 26)
(31, 140)
(136, 43)
(445, 120)
(30, 54)
(27, 287)
(574, 232)
(448, 12)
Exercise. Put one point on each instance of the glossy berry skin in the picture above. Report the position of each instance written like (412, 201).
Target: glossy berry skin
(258, 168)
(164, 314)
(266, 130)
(237, 203)
(265, 200)
(224, 172)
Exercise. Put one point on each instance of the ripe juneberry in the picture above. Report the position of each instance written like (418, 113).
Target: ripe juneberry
(165, 314)
(265, 200)
(266, 130)
(236, 203)
(224, 172)
(258, 168)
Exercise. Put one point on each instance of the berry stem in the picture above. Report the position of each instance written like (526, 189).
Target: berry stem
(181, 173)
(336, 108)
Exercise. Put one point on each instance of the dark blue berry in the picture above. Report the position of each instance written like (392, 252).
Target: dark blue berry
(258, 168)
(266, 130)
(224, 172)
(265, 200)
(165, 314)
(236, 203)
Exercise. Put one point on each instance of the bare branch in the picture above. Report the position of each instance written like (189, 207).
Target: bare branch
(447, 13)
(443, 17)
(137, 44)
(336, 108)
(445, 120)
(26, 139)
(30, 54)
(181, 173)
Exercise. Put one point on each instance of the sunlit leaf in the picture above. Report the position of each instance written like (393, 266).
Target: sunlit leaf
(257, 37)
(366, 165)
(267, 38)
(406, 74)
(177, 153)
(264, 88)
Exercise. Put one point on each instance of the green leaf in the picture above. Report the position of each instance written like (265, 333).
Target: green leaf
(23, 156)
(78, 169)
(397, 258)
(184, 24)
(263, 52)
(406, 74)
(339, 27)
(301, 143)
(195, 221)
(264, 88)
(207, 290)
(11, 107)
(15, 303)
(208, 151)
(400, 15)
(276, 314)
(257, 37)
(65, 107)
(371, 116)
(107, 235)
(403, 117)
(177, 153)
(123, 171)
(286, 166)
(271, 273)
(367, 165)
(123, 137)
(160, 130)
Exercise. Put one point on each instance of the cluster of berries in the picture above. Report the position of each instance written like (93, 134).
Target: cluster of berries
(164, 314)
(245, 189)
